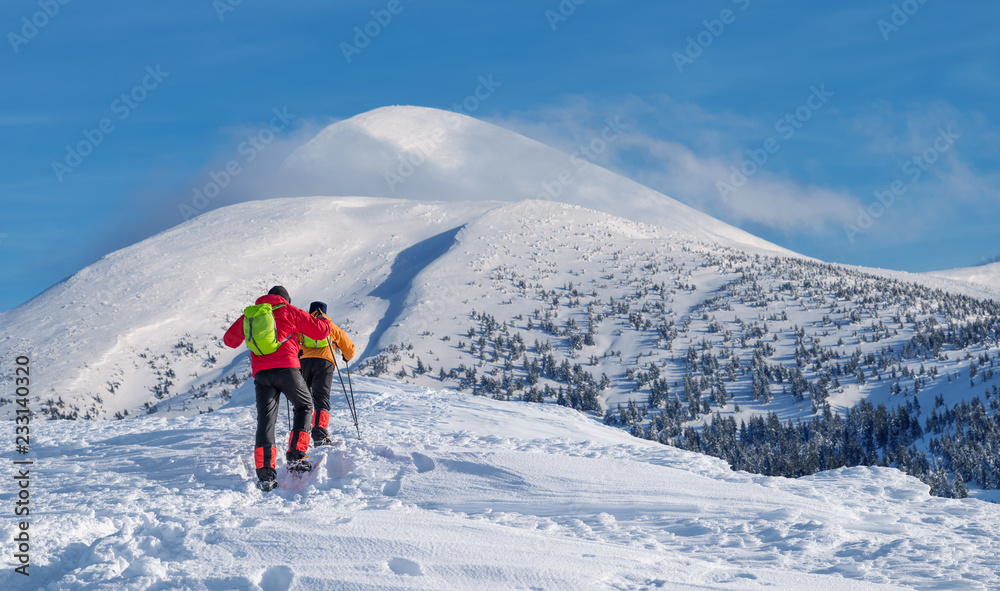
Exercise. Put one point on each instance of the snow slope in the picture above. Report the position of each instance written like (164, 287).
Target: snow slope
(143, 326)
(449, 491)
(153, 314)
(983, 275)
(420, 153)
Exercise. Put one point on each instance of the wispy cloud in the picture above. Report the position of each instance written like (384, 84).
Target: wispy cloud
(703, 149)
(943, 182)
(685, 150)
(766, 199)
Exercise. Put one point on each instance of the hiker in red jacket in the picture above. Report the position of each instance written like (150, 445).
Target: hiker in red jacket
(278, 373)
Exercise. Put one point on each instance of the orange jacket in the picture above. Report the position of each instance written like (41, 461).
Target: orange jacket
(339, 339)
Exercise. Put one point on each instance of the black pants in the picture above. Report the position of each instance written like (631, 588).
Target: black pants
(270, 384)
(318, 374)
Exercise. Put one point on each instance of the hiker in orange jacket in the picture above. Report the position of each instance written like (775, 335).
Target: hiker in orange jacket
(279, 373)
(318, 365)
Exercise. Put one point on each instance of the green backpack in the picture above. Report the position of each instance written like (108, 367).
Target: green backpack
(260, 332)
(311, 344)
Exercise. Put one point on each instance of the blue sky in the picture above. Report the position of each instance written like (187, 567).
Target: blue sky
(880, 96)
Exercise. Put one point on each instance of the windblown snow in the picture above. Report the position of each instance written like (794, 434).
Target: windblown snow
(984, 275)
(420, 153)
(450, 491)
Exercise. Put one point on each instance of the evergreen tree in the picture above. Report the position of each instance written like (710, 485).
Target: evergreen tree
(961, 491)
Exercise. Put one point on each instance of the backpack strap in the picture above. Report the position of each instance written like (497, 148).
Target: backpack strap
(282, 341)
(253, 340)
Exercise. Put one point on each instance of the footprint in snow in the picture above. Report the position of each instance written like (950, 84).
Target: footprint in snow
(422, 462)
(392, 488)
(277, 578)
(384, 451)
(404, 567)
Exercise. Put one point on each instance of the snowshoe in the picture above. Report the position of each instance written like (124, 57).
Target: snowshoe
(299, 466)
(267, 485)
(323, 441)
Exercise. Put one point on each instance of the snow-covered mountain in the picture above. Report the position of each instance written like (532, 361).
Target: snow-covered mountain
(654, 328)
(685, 332)
(429, 154)
(141, 329)
(142, 326)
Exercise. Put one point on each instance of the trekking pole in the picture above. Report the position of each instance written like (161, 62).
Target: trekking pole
(289, 409)
(353, 405)
(350, 400)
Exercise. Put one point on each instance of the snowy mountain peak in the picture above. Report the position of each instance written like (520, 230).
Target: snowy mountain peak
(421, 153)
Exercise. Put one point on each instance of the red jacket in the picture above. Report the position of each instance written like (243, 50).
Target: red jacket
(288, 320)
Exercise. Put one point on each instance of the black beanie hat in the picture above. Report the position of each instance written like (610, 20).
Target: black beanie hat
(280, 291)
(317, 306)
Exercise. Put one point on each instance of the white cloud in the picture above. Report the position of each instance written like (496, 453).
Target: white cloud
(766, 198)
(683, 150)
(702, 149)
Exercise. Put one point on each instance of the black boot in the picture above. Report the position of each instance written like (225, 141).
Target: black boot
(302, 465)
(267, 485)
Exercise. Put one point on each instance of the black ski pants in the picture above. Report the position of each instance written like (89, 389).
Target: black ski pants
(318, 374)
(270, 384)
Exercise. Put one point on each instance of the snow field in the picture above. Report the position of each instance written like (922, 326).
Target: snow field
(450, 491)
(986, 275)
